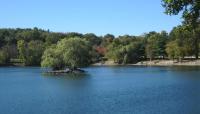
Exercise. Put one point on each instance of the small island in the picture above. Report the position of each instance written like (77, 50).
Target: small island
(67, 56)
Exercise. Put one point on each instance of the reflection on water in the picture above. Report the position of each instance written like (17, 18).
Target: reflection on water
(105, 90)
(67, 75)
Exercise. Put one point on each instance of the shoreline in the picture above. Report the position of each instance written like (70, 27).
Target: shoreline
(153, 63)
(141, 63)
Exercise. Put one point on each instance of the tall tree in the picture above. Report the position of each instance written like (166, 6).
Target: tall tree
(21, 46)
(190, 9)
(4, 57)
(190, 12)
(92, 39)
(155, 45)
(184, 38)
(151, 48)
(175, 51)
(34, 52)
(107, 39)
(30, 53)
(123, 50)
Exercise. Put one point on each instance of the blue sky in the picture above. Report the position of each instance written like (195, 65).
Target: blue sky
(117, 17)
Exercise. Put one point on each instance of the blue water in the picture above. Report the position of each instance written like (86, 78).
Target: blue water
(103, 90)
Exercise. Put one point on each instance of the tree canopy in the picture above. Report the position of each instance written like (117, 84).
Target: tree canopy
(191, 14)
(71, 53)
(190, 9)
(4, 57)
(29, 45)
(30, 53)
(125, 50)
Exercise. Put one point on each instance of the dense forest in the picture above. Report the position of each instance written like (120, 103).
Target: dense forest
(29, 46)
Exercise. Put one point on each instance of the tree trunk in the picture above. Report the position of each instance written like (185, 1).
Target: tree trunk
(196, 48)
(150, 59)
(196, 44)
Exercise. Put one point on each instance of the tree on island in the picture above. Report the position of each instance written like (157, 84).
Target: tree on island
(68, 53)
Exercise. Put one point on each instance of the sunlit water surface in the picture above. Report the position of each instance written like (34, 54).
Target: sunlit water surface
(103, 90)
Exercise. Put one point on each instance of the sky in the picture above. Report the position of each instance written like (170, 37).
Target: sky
(118, 17)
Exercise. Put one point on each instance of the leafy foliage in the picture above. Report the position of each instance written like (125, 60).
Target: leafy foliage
(4, 57)
(191, 14)
(175, 51)
(30, 53)
(155, 45)
(190, 9)
(125, 50)
(28, 45)
(72, 52)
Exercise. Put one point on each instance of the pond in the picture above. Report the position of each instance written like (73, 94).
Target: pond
(103, 90)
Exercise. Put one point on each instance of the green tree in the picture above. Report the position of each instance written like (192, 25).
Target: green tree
(92, 39)
(53, 58)
(135, 52)
(155, 45)
(190, 13)
(172, 50)
(184, 38)
(30, 34)
(107, 39)
(73, 35)
(163, 37)
(116, 53)
(21, 46)
(72, 53)
(4, 57)
(30, 53)
(175, 51)
(150, 49)
(34, 52)
(189, 8)
(123, 52)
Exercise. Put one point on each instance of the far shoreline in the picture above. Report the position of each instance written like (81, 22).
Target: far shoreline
(153, 63)
(166, 63)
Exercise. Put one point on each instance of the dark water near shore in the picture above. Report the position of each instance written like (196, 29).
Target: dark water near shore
(104, 90)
